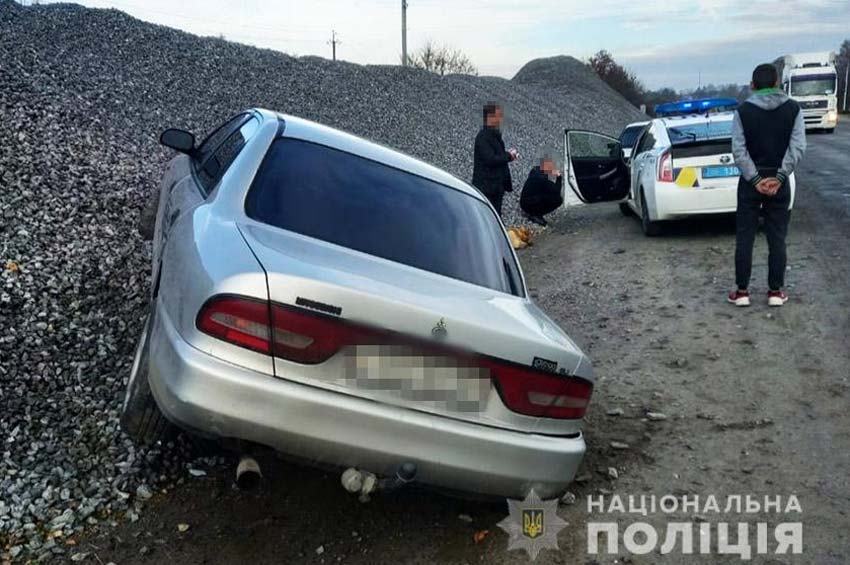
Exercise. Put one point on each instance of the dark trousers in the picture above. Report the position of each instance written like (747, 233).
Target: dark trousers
(496, 201)
(541, 204)
(751, 205)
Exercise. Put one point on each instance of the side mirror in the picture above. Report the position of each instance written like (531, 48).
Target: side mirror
(179, 140)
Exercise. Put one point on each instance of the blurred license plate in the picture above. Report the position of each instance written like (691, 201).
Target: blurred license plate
(720, 172)
(401, 373)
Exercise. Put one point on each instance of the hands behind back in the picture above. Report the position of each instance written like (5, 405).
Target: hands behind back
(769, 186)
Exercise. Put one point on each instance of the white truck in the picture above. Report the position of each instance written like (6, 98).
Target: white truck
(811, 80)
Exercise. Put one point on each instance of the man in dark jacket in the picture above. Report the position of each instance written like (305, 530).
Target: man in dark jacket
(490, 173)
(768, 142)
(542, 192)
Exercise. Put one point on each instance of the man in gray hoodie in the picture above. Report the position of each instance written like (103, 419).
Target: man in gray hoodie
(768, 142)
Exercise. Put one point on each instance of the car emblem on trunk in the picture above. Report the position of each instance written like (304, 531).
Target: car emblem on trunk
(725, 159)
(439, 331)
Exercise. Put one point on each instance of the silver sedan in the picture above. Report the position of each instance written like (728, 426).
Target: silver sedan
(346, 304)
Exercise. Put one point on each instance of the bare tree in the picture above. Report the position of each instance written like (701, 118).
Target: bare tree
(617, 76)
(841, 65)
(441, 60)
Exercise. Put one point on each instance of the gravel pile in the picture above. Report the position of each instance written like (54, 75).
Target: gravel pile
(573, 80)
(83, 96)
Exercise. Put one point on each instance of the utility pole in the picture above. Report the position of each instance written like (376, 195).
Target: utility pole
(333, 43)
(846, 76)
(404, 33)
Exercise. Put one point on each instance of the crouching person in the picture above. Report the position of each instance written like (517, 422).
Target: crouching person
(543, 191)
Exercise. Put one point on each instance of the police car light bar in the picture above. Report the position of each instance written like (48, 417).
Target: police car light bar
(701, 106)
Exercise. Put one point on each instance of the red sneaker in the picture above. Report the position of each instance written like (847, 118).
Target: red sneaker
(739, 298)
(776, 298)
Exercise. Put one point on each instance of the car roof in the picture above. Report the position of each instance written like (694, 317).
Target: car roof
(300, 128)
(674, 121)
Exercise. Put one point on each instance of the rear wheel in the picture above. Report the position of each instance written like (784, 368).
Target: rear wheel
(650, 228)
(141, 418)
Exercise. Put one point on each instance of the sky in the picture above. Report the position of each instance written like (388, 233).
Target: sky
(675, 43)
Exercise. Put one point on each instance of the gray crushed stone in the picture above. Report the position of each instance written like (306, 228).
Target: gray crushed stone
(84, 95)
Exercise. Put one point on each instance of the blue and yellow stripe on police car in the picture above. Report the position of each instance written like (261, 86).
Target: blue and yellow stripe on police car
(686, 177)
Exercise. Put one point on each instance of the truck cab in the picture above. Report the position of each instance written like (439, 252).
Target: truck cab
(811, 79)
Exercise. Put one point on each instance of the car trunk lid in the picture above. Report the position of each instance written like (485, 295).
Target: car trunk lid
(704, 165)
(413, 309)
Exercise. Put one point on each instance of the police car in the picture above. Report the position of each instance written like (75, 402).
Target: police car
(680, 165)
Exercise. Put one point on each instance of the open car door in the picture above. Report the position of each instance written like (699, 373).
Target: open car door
(597, 171)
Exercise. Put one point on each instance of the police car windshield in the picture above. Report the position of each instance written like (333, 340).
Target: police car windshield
(704, 131)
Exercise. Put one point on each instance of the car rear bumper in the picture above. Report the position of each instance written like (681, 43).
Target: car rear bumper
(205, 394)
(673, 201)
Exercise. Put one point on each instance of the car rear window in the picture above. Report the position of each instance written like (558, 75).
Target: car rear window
(705, 131)
(364, 205)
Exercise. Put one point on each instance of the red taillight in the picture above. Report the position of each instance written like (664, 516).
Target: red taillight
(533, 393)
(310, 338)
(665, 168)
(297, 335)
(240, 321)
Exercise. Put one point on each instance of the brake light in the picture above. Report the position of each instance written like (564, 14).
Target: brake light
(309, 338)
(665, 168)
(240, 321)
(530, 392)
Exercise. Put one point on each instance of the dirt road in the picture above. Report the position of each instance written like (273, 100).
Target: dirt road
(755, 399)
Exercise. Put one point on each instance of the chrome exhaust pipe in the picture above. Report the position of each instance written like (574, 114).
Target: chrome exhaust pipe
(248, 474)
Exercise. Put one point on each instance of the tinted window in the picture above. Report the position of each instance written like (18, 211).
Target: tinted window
(700, 132)
(647, 142)
(219, 158)
(208, 145)
(589, 145)
(350, 201)
(630, 135)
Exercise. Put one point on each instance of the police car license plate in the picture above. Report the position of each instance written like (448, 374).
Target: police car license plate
(720, 172)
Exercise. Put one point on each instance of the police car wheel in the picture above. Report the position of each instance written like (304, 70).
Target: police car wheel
(650, 228)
